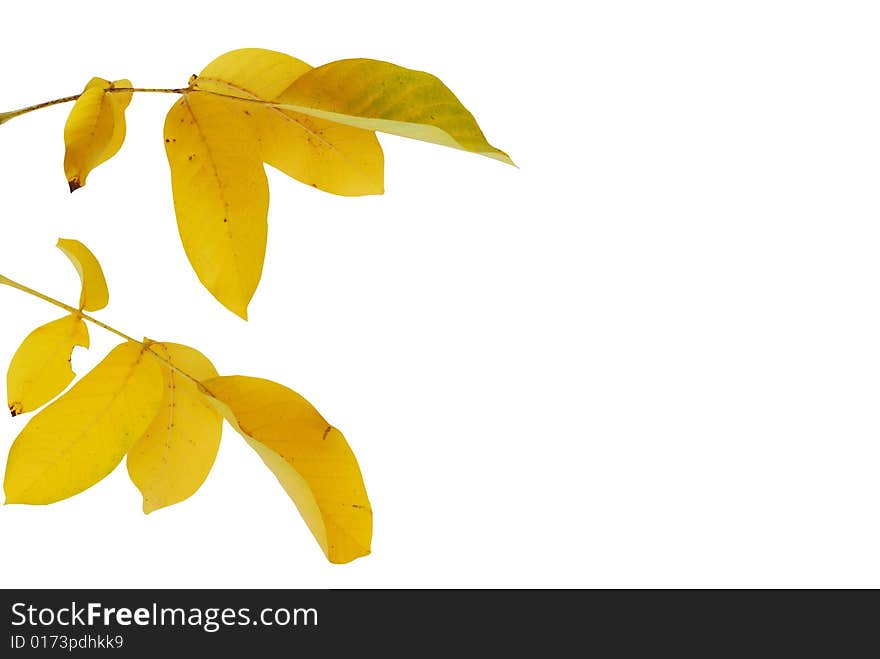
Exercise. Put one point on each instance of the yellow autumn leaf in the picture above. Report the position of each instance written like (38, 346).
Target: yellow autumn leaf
(40, 368)
(95, 129)
(252, 73)
(81, 437)
(329, 156)
(221, 195)
(94, 294)
(173, 458)
(310, 458)
(380, 96)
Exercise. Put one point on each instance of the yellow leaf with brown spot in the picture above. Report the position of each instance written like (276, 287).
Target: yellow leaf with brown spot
(221, 195)
(172, 459)
(310, 458)
(95, 129)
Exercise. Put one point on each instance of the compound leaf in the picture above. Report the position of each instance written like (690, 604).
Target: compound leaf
(172, 459)
(82, 436)
(310, 458)
(40, 368)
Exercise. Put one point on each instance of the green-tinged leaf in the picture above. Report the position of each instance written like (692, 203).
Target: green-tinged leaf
(329, 156)
(380, 96)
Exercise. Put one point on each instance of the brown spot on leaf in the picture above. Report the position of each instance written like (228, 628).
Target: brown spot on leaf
(326, 432)
(16, 408)
(74, 184)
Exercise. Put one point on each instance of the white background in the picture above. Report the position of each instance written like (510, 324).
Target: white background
(648, 357)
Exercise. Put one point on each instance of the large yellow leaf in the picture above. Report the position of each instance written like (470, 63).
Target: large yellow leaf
(94, 294)
(82, 436)
(173, 458)
(221, 195)
(329, 156)
(376, 95)
(310, 458)
(95, 129)
(40, 368)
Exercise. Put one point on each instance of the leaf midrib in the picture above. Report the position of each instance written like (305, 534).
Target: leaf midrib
(220, 189)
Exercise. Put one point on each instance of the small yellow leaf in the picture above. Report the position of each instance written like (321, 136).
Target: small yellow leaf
(329, 156)
(380, 96)
(221, 195)
(310, 458)
(40, 368)
(171, 461)
(82, 436)
(95, 129)
(94, 294)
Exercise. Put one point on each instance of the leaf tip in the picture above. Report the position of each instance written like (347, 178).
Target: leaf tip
(237, 305)
(74, 185)
(498, 154)
(338, 558)
(151, 505)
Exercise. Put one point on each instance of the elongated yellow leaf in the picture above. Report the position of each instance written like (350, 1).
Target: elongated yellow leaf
(94, 294)
(221, 195)
(173, 458)
(82, 436)
(329, 156)
(310, 458)
(95, 129)
(380, 96)
(40, 368)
